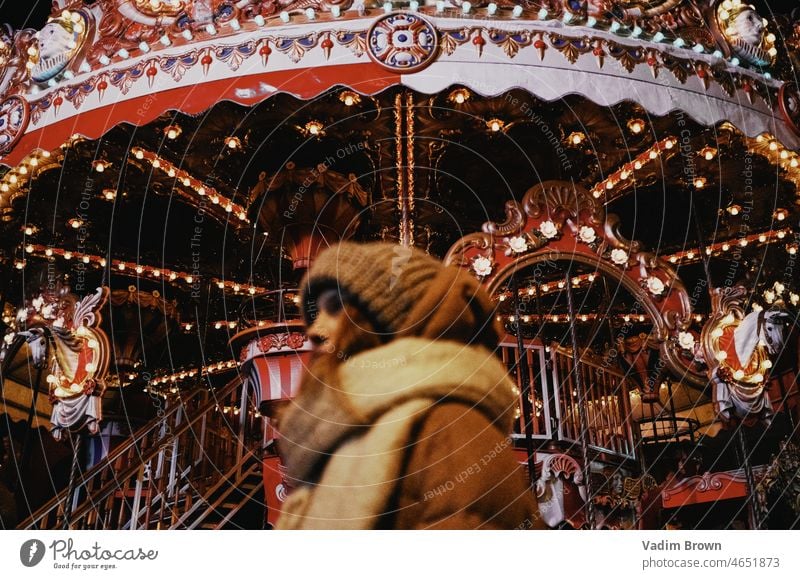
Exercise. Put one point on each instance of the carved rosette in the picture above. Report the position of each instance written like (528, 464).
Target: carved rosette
(559, 220)
(402, 42)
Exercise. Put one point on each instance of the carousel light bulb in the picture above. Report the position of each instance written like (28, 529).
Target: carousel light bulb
(758, 377)
(13, 178)
(792, 249)
(109, 194)
(781, 234)
(171, 172)
(636, 126)
(231, 325)
(700, 182)
(67, 255)
(739, 374)
(577, 138)
(121, 266)
(766, 364)
(716, 332)
(653, 154)
(637, 164)
(29, 248)
(221, 284)
(85, 259)
(733, 210)
(762, 238)
(29, 230)
(232, 142)
(236, 287)
(658, 36)
(139, 269)
(189, 279)
(251, 290)
(491, 9)
(173, 276)
(773, 145)
(217, 326)
(780, 214)
(103, 262)
(772, 51)
(743, 242)
(721, 356)
(725, 247)
(4, 187)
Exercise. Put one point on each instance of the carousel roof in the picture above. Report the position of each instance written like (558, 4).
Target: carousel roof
(157, 144)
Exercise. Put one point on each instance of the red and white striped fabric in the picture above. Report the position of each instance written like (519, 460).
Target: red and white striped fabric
(278, 375)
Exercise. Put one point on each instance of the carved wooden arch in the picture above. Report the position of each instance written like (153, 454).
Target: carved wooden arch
(559, 220)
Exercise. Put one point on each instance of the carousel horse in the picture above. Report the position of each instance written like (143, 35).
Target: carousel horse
(64, 336)
(749, 350)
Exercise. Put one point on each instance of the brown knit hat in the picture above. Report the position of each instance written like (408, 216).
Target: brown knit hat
(384, 280)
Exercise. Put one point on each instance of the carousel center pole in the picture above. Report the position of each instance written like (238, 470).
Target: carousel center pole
(525, 386)
(584, 431)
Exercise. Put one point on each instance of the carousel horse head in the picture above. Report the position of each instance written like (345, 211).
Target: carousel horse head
(36, 338)
(765, 327)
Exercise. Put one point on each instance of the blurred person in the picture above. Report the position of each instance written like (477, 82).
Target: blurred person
(403, 416)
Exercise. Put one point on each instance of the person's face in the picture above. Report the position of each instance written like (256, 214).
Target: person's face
(329, 321)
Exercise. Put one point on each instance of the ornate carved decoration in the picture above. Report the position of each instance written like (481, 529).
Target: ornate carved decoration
(561, 220)
(402, 42)
(63, 334)
(737, 349)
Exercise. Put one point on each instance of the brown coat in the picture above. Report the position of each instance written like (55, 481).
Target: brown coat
(407, 436)
(460, 474)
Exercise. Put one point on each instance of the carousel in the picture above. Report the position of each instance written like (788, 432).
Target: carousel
(621, 176)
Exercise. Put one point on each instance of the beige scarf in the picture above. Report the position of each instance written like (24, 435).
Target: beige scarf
(348, 459)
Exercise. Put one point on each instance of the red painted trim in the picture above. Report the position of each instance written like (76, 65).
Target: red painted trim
(305, 83)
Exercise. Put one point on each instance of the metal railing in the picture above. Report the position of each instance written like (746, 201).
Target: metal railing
(154, 478)
(554, 399)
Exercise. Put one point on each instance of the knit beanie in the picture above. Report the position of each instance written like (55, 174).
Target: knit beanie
(384, 280)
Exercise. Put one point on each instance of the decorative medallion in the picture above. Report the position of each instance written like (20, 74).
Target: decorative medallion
(59, 42)
(14, 117)
(402, 42)
(789, 103)
(746, 32)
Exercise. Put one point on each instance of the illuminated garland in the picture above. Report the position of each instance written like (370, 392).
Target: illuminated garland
(133, 269)
(627, 170)
(191, 182)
